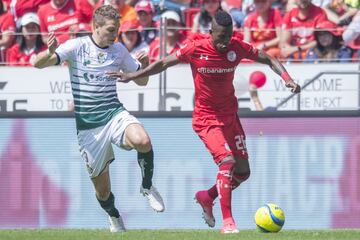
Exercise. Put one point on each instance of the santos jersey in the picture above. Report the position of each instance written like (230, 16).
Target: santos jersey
(213, 73)
(95, 95)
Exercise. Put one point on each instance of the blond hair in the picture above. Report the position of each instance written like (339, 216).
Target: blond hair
(105, 12)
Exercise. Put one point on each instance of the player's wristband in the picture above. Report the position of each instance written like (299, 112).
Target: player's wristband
(285, 75)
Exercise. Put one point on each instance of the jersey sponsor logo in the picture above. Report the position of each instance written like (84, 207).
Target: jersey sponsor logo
(204, 57)
(215, 70)
(303, 32)
(97, 78)
(231, 56)
(68, 22)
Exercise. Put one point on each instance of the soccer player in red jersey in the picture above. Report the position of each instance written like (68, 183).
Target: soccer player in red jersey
(213, 62)
(58, 16)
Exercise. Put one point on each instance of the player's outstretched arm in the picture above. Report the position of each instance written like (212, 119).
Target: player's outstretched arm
(152, 69)
(47, 58)
(143, 58)
(277, 67)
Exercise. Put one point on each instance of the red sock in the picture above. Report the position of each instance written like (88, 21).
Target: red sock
(213, 193)
(223, 184)
(235, 182)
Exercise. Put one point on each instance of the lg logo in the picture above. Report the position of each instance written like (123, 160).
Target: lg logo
(17, 104)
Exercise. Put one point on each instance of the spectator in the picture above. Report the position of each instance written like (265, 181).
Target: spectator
(145, 11)
(80, 30)
(126, 11)
(85, 9)
(131, 38)
(234, 7)
(29, 43)
(20, 7)
(281, 5)
(177, 6)
(298, 27)
(173, 38)
(132, 2)
(339, 13)
(202, 20)
(351, 35)
(7, 30)
(263, 28)
(6, 5)
(58, 16)
(328, 45)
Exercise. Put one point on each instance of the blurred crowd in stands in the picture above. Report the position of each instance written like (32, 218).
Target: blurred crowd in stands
(291, 30)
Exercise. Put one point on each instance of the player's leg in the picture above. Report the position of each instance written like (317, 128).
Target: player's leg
(128, 133)
(136, 137)
(97, 153)
(242, 168)
(106, 200)
(213, 137)
(241, 171)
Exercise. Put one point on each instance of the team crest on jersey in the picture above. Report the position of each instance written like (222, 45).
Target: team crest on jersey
(231, 56)
(102, 57)
(51, 18)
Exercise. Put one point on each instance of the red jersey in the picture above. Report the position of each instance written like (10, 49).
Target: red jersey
(58, 20)
(20, 7)
(17, 58)
(7, 25)
(213, 74)
(302, 30)
(154, 52)
(266, 32)
(86, 10)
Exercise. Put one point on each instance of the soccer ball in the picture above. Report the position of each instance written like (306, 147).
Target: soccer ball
(269, 218)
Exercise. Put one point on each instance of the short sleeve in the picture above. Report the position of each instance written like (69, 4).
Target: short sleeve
(129, 64)
(277, 18)
(248, 51)
(185, 52)
(8, 25)
(286, 21)
(66, 51)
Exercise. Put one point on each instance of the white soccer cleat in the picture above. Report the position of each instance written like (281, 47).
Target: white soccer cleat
(154, 198)
(116, 224)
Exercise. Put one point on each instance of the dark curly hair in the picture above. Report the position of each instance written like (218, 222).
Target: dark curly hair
(222, 18)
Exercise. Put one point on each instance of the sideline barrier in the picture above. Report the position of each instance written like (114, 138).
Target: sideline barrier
(309, 166)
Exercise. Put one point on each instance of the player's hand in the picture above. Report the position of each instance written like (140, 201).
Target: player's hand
(143, 58)
(295, 88)
(120, 76)
(52, 43)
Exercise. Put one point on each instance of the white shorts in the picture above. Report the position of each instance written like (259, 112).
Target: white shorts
(95, 144)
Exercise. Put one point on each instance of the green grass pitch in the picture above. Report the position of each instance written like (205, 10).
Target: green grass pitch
(83, 234)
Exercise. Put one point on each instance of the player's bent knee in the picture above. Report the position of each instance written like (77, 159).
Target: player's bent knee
(102, 195)
(241, 177)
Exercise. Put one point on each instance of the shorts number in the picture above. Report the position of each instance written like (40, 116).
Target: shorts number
(240, 142)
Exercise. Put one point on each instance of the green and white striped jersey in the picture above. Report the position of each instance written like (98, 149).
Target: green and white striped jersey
(95, 95)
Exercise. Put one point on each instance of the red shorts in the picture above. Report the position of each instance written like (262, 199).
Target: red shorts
(222, 135)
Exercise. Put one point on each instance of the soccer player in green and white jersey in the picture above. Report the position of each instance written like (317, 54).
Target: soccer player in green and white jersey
(101, 119)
